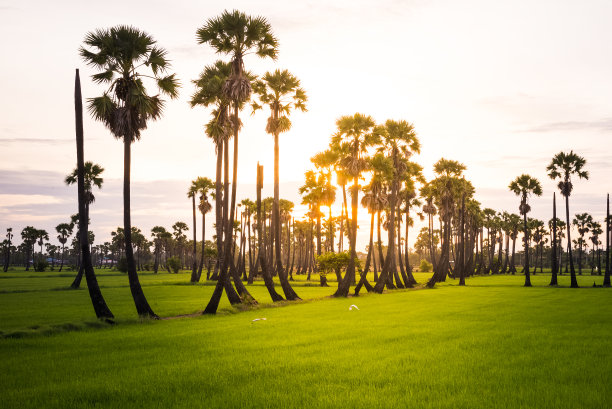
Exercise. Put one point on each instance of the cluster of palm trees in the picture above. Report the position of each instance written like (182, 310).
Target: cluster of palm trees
(365, 157)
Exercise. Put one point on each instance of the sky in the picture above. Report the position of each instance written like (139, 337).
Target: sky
(500, 86)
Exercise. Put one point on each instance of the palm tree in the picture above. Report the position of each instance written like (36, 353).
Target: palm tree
(200, 186)
(209, 92)
(524, 186)
(608, 221)
(281, 91)
(563, 166)
(125, 108)
(9, 237)
(64, 231)
(99, 304)
(398, 142)
(205, 188)
(552, 224)
(236, 34)
(351, 141)
(596, 231)
(92, 178)
(583, 223)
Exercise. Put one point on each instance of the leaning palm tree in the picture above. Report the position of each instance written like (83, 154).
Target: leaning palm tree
(99, 304)
(563, 166)
(236, 34)
(281, 91)
(125, 107)
(524, 186)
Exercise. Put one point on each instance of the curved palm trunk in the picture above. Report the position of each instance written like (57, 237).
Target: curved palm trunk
(223, 280)
(99, 304)
(290, 294)
(349, 276)
(194, 267)
(411, 278)
(574, 281)
(140, 301)
(201, 266)
(364, 274)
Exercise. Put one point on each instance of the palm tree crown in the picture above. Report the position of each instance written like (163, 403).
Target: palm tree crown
(564, 165)
(125, 107)
(525, 186)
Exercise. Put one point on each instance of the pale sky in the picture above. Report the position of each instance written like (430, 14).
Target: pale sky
(500, 86)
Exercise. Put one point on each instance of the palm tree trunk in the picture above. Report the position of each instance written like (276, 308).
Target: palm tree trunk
(574, 281)
(140, 301)
(194, 268)
(526, 241)
(201, 266)
(99, 304)
(606, 282)
(553, 253)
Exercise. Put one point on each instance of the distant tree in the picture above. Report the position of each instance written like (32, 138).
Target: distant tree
(64, 231)
(583, 222)
(8, 246)
(524, 186)
(563, 166)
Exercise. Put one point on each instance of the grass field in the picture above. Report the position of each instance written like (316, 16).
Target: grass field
(491, 344)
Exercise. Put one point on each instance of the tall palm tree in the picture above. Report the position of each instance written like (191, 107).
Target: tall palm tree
(354, 136)
(398, 141)
(99, 304)
(236, 34)
(563, 166)
(281, 91)
(524, 186)
(209, 92)
(125, 108)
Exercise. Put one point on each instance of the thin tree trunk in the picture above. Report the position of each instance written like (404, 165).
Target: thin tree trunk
(99, 304)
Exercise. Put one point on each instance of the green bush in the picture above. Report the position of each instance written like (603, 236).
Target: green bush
(175, 264)
(122, 265)
(40, 265)
(425, 266)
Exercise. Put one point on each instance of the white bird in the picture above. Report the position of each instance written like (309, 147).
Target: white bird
(258, 319)
(353, 306)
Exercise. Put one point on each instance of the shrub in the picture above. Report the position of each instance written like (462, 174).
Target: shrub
(425, 266)
(41, 265)
(175, 264)
(122, 265)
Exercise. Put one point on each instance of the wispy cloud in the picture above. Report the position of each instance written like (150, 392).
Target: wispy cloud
(603, 125)
(57, 141)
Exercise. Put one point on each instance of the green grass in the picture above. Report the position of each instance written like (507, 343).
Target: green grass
(491, 344)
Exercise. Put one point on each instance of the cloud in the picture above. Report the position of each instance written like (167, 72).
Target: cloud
(49, 141)
(602, 125)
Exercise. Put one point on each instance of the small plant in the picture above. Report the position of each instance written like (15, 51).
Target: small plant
(175, 264)
(122, 265)
(425, 266)
(40, 266)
